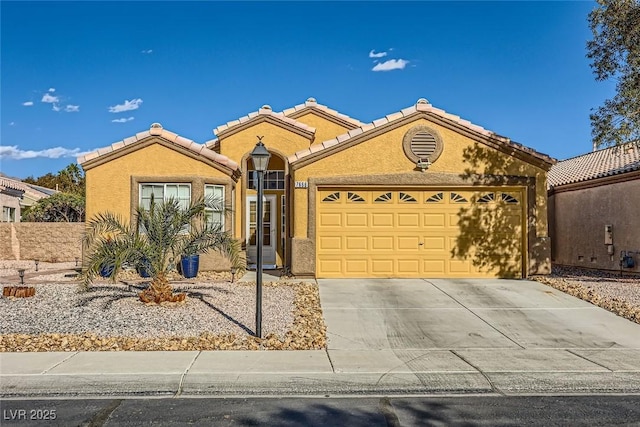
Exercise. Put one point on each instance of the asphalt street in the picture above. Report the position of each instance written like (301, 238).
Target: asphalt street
(602, 410)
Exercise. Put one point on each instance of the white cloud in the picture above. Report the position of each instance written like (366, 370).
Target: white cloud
(52, 89)
(49, 98)
(392, 64)
(72, 108)
(14, 153)
(12, 124)
(134, 104)
(148, 51)
(56, 107)
(122, 120)
(27, 103)
(373, 54)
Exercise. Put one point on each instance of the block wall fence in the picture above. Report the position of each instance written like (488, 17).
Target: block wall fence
(46, 241)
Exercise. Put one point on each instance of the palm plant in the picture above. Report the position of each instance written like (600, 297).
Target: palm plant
(155, 240)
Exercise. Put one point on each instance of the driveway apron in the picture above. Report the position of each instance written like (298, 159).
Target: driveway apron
(442, 314)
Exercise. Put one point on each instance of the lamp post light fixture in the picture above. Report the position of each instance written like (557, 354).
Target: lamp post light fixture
(21, 274)
(260, 157)
(77, 261)
(37, 262)
(233, 274)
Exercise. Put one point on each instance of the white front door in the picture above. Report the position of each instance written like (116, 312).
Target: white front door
(269, 227)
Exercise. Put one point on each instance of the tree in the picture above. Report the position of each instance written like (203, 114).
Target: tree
(615, 54)
(155, 239)
(69, 180)
(60, 207)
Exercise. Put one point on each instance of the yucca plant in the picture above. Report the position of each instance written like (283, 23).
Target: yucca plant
(155, 239)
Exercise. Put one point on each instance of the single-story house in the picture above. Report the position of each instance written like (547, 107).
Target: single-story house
(594, 201)
(16, 195)
(417, 193)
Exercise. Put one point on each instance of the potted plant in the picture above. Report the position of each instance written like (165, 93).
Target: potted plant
(155, 238)
(189, 265)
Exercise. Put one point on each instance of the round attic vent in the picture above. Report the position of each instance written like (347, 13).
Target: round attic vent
(266, 107)
(422, 143)
(311, 99)
(156, 126)
(422, 101)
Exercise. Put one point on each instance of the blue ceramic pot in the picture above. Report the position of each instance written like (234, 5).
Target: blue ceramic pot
(189, 265)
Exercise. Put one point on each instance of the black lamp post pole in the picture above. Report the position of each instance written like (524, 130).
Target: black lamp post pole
(260, 157)
(259, 238)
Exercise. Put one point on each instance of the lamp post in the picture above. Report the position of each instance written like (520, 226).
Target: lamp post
(21, 274)
(36, 261)
(260, 156)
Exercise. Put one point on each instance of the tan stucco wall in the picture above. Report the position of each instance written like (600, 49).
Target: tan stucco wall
(578, 225)
(46, 241)
(10, 202)
(325, 129)
(383, 154)
(238, 147)
(109, 184)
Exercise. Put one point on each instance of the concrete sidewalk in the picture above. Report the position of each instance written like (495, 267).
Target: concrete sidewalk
(318, 372)
(392, 337)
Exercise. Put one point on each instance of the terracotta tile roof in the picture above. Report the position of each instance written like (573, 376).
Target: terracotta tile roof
(213, 144)
(421, 106)
(311, 103)
(35, 191)
(597, 164)
(264, 111)
(157, 130)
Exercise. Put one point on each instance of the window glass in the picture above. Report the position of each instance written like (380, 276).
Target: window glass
(160, 192)
(273, 180)
(214, 216)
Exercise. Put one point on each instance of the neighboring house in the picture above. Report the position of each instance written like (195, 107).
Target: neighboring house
(594, 209)
(16, 195)
(418, 193)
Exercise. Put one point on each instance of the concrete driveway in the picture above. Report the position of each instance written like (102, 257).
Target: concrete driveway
(443, 314)
(506, 336)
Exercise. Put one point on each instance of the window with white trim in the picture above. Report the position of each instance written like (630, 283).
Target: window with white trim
(159, 192)
(215, 216)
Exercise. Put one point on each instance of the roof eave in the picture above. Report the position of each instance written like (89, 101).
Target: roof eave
(378, 127)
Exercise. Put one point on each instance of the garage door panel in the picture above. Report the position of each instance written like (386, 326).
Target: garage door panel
(331, 267)
(433, 267)
(330, 220)
(382, 266)
(356, 265)
(437, 220)
(328, 243)
(356, 219)
(408, 220)
(382, 219)
(409, 266)
(356, 243)
(408, 243)
(434, 244)
(459, 266)
(395, 233)
(382, 243)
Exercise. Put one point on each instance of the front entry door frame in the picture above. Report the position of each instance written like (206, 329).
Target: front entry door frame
(270, 224)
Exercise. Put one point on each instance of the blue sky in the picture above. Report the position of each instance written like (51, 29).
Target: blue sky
(77, 76)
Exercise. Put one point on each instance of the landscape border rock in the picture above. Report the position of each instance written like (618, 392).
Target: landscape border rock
(307, 333)
(568, 280)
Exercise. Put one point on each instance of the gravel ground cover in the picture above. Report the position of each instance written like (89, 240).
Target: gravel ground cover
(217, 314)
(611, 291)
